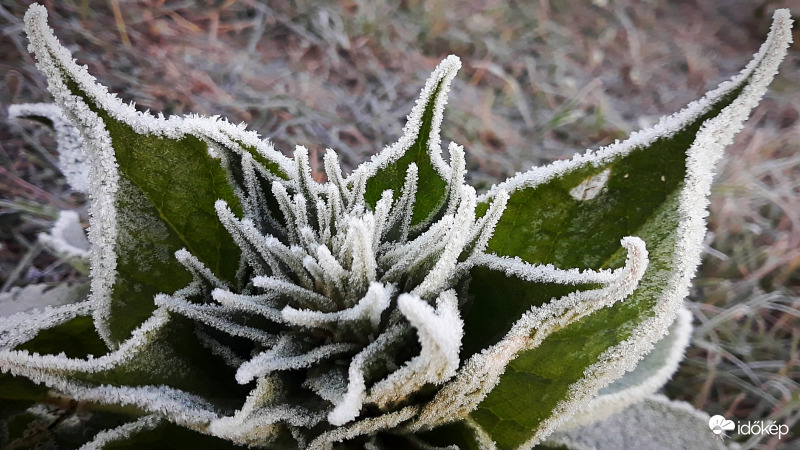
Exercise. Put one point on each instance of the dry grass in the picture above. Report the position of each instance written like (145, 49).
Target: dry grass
(539, 82)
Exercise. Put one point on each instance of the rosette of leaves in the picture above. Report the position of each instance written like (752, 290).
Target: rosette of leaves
(234, 298)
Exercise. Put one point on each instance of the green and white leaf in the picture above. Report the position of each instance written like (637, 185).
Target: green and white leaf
(654, 186)
(122, 432)
(142, 208)
(650, 375)
(419, 145)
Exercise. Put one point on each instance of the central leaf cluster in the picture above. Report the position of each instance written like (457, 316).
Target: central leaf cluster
(335, 293)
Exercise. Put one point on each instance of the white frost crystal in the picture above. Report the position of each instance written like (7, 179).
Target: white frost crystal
(67, 239)
(650, 375)
(72, 159)
(345, 319)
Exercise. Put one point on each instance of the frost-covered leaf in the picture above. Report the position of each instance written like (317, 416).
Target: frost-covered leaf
(154, 184)
(654, 186)
(123, 432)
(156, 370)
(419, 145)
(72, 160)
(650, 374)
(37, 296)
(148, 432)
(656, 423)
(68, 241)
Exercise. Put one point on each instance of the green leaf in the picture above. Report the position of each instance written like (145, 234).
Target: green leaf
(161, 356)
(459, 433)
(420, 145)
(154, 184)
(20, 389)
(573, 214)
(173, 358)
(76, 338)
(650, 375)
(169, 435)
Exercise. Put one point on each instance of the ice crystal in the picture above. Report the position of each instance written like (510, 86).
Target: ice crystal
(72, 159)
(66, 239)
(346, 314)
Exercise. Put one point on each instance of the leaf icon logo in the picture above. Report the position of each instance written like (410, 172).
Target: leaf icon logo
(718, 424)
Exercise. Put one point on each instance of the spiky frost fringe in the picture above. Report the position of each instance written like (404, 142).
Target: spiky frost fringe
(122, 432)
(440, 332)
(702, 157)
(57, 64)
(481, 373)
(330, 266)
(657, 375)
(21, 327)
(362, 427)
(72, 160)
(442, 77)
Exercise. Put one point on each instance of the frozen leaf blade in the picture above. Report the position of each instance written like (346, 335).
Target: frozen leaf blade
(420, 145)
(656, 422)
(154, 184)
(156, 370)
(657, 190)
(650, 375)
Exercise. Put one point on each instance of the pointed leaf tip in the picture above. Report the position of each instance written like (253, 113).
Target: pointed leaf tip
(656, 188)
(153, 184)
(419, 144)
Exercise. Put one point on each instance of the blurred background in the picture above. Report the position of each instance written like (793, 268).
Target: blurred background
(540, 81)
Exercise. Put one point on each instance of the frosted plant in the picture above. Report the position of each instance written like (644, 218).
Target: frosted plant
(236, 299)
(71, 159)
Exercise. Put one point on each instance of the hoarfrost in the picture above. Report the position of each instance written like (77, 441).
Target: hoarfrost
(22, 319)
(38, 296)
(435, 90)
(655, 423)
(61, 70)
(481, 372)
(66, 239)
(363, 427)
(440, 332)
(702, 156)
(650, 375)
(272, 360)
(370, 307)
(122, 432)
(329, 282)
(72, 159)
